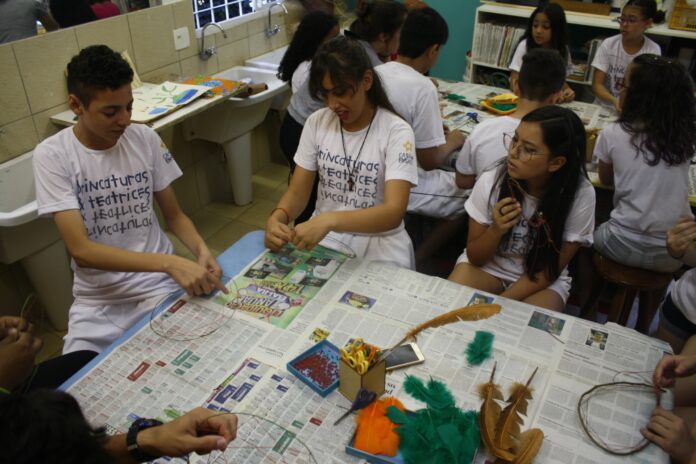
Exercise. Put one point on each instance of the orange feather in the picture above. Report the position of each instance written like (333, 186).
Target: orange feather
(529, 446)
(375, 433)
(489, 415)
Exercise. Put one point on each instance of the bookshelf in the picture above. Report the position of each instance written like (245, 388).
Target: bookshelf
(499, 27)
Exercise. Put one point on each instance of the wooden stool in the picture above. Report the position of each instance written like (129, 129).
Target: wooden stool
(631, 281)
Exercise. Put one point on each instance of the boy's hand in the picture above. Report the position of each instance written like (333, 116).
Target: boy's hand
(17, 353)
(10, 325)
(506, 214)
(277, 234)
(309, 233)
(669, 432)
(681, 237)
(193, 277)
(200, 431)
(672, 367)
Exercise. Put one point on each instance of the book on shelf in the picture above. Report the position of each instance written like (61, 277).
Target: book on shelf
(495, 43)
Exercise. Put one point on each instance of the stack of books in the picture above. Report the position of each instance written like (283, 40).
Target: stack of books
(495, 44)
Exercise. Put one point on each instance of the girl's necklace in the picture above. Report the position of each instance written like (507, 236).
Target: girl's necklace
(351, 173)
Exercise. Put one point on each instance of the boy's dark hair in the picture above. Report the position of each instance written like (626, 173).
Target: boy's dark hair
(423, 28)
(48, 426)
(648, 8)
(559, 28)
(542, 74)
(377, 17)
(345, 60)
(564, 135)
(97, 68)
(311, 31)
(659, 110)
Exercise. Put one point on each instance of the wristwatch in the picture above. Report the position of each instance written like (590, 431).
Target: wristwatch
(132, 439)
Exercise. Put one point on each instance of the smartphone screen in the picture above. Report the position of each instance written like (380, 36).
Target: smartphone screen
(404, 355)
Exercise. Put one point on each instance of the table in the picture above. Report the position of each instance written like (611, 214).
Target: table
(455, 114)
(241, 366)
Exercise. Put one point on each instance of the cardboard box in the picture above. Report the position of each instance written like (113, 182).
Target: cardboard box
(349, 381)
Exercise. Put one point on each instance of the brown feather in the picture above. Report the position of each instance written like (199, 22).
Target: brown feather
(507, 432)
(529, 446)
(489, 414)
(467, 313)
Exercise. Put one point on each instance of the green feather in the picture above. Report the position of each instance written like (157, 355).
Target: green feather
(480, 348)
(439, 434)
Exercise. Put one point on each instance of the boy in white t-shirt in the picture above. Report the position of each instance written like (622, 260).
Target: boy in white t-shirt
(414, 97)
(98, 180)
(540, 83)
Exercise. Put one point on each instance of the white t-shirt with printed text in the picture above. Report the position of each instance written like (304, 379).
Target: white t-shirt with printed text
(508, 261)
(113, 191)
(388, 154)
(612, 59)
(484, 146)
(648, 200)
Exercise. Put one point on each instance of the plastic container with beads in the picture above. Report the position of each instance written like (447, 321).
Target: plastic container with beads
(683, 17)
(317, 367)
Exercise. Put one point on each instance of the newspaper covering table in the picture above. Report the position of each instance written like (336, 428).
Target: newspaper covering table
(240, 368)
(465, 114)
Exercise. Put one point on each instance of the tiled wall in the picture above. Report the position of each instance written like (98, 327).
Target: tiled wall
(33, 89)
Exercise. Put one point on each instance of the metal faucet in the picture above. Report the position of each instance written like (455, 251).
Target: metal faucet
(206, 53)
(273, 30)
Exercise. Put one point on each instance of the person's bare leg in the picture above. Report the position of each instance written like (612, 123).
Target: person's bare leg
(685, 387)
(472, 276)
(675, 342)
(546, 299)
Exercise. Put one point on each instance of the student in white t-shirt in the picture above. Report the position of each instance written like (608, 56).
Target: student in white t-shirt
(98, 180)
(414, 97)
(530, 215)
(540, 84)
(364, 155)
(645, 155)
(377, 30)
(546, 28)
(678, 311)
(616, 53)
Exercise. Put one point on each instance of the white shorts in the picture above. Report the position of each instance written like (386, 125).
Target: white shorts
(393, 247)
(94, 328)
(561, 285)
(437, 195)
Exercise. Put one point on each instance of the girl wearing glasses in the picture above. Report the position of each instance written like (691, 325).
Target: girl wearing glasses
(529, 215)
(616, 53)
(364, 157)
(546, 29)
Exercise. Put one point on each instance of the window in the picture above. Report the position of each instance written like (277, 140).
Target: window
(207, 11)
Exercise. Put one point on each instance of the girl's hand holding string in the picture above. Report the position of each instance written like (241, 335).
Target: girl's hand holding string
(672, 367)
(506, 214)
(310, 233)
(278, 233)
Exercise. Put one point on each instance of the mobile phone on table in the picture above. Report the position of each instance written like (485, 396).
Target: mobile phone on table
(403, 356)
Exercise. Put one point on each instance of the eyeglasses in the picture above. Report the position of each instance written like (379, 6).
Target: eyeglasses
(628, 20)
(512, 143)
